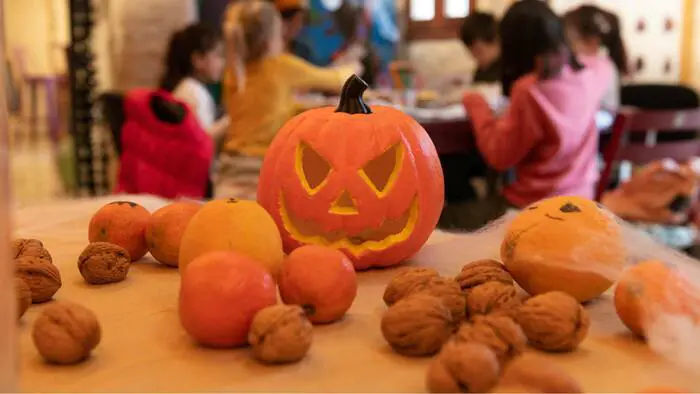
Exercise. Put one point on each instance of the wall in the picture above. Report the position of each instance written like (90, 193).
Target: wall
(654, 45)
(38, 28)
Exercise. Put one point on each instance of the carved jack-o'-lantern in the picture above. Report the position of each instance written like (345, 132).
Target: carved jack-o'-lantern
(365, 181)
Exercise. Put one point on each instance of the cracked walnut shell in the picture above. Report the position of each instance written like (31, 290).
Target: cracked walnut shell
(400, 285)
(535, 374)
(42, 277)
(101, 263)
(66, 333)
(467, 367)
(418, 325)
(25, 247)
(448, 291)
(481, 271)
(499, 332)
(24, 296)
(280, 334)
(492, 296)
(553, 321)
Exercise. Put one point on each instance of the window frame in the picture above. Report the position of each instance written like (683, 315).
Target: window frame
(440, 27)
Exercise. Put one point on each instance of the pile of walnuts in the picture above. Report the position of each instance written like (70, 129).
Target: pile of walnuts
(479, 325)
(37, 279)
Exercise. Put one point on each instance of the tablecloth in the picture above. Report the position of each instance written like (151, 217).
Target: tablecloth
(145, 349)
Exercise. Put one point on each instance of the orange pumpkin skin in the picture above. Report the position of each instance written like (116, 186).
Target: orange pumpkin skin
(664, 389)
(564, 244)
(368, 184)
(650, 288)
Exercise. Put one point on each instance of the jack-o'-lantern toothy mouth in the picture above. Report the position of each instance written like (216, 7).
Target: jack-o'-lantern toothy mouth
(391, 231)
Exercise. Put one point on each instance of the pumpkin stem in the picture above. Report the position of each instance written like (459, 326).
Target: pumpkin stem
(351, 101)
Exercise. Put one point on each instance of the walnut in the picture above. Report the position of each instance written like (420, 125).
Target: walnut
(43, 278)
(23, 247)
(466, 367)
(66, 333)
(481, 271)
(280, 334)
(24, 296)
(399, 286)
(553, 321)
(492, 296)
(448, 291)
(102, 263)
(535, 374)
(498, 332)
(418, 325)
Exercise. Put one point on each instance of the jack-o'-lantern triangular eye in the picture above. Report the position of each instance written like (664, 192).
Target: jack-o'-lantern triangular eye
(311, 167)
(381, 172)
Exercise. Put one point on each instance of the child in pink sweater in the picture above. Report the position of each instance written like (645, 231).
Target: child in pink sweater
(548, 135)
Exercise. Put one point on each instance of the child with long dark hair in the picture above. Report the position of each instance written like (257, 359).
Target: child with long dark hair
(594, 31)
(548, 134)
(195, 58)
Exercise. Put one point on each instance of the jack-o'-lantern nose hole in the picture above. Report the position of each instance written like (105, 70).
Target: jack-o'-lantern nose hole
(381, 172)
(344, 205)
(569, 208)
(311, 167)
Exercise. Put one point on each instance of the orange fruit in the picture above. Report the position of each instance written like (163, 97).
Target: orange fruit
(237, 225)
(121, 223)
(566, 244)
(220, 293)
(650, 288)
(166, 228)
(321, 280)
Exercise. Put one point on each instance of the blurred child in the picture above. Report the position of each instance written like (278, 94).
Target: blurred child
(593, 31)
(548, 134)
(195, 58)
(259, 87)
(293, 14)
(479, 32)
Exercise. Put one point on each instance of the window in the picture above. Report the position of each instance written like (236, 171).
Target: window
(436, 18)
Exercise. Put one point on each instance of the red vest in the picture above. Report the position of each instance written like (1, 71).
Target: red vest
(164, 159)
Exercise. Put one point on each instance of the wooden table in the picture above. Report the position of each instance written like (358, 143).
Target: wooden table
(145, 349)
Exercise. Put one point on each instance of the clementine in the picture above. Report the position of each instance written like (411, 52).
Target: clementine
(166, 228)
(650, 288)
(320, 279)
(121, 223)
(564, 244)
(220, 293)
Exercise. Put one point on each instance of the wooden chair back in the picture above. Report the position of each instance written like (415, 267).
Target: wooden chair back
(654, 123)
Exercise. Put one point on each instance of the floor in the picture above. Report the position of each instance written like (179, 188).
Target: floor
(34, 176)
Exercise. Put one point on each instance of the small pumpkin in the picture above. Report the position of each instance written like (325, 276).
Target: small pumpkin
(564, 244)
(366, 181)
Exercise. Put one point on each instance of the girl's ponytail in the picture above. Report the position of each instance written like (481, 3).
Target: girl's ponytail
(612, 40)
(250, 29)
(175, 70)
(593, 22)
(235, 52)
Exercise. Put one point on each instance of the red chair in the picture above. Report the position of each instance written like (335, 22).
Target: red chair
(630, 121)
